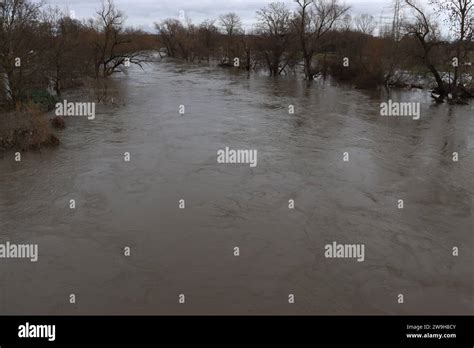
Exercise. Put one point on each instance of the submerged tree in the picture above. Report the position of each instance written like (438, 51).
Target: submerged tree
(274, 27)
(111, 51)
(18, 24)
(231, 26)
(169, 30)
(208, 35)
(315, 19)
(424, 29)
(460, 19)
(64, 58)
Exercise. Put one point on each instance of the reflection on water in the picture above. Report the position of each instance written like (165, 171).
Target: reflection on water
(190, 251)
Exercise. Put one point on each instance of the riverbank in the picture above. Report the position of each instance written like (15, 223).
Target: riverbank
(33, 125)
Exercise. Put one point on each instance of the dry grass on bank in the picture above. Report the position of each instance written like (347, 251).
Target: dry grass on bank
(25, 129)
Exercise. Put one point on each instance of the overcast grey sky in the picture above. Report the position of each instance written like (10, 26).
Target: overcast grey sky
(143, 13)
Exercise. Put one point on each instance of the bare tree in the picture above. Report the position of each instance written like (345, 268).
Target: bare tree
(365, 24)
(169, 31)
(18, 19)
(111, 45)
(208, 34)
(274, 26)
(316, 19)
(347, 22)
(231, 24)
(64, 57)
(460, 18)
(425, 31)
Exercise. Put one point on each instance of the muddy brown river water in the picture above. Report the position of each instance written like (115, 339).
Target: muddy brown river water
(174, 251)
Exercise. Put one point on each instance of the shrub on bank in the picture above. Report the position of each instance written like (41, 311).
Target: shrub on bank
(26, 128)
(361, 76)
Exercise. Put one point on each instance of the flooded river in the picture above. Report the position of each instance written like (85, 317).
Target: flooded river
(190, 251)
